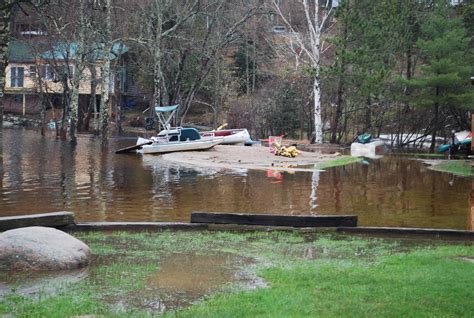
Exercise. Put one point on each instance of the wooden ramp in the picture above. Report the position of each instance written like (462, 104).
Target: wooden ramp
(54, 219)
(134, 147)
(275, 220)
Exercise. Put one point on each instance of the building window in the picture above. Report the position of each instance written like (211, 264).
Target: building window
(46, 72)
(17, 76)
(32, 71)
(55, 73)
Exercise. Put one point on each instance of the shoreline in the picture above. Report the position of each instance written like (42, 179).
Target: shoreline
(245, 157)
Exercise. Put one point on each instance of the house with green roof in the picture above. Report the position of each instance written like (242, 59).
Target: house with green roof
(40, 70)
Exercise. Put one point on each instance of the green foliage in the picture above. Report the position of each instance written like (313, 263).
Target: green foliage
(286, 116)
(444, 77)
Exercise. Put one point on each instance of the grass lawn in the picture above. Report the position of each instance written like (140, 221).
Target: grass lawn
(317, 275)
(340, 161)
(457, 167)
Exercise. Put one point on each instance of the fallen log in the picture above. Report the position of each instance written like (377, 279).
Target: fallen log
(54, 219)
(275, 220)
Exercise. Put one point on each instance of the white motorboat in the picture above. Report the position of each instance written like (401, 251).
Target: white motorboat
(172, 139)
(179, 139)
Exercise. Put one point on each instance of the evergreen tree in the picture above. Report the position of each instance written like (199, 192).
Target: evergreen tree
(442, 82)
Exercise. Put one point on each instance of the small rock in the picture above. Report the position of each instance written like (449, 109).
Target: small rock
(39, 248)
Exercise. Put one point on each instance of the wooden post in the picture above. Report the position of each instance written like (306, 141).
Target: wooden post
(470, 219)
(24, 104)
(275, 220)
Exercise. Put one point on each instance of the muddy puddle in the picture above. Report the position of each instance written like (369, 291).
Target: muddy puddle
(180, 280)
(183, 279)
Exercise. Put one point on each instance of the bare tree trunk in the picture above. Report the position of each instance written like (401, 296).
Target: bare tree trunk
(338, 112)
(435, 122)
(105, 89)
(74, 112)
(5, 16)
(247, 66)
(368, 116)
(318, 123)
(105, 100)
(340, 89)
(77, 75)
(42, 107)
(156, 46)
(92, 109)
(62, 131)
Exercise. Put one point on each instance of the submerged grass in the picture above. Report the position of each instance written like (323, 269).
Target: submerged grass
(308, 275)
(457, 167)
(419, 154)
(340, 161)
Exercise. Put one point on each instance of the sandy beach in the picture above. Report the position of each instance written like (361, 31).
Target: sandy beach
(242, 157)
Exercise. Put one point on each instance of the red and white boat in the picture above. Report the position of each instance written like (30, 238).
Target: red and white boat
(230, 136)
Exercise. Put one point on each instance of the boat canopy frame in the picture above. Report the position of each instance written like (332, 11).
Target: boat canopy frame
(165, 115)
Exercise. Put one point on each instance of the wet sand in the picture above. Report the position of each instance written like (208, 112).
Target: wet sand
(243, 157)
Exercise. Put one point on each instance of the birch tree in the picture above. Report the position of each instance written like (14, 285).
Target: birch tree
(78, 74)
(310, 41)
(105, 88)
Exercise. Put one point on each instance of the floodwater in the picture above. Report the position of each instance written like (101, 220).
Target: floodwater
(42, 174)
(38, 283)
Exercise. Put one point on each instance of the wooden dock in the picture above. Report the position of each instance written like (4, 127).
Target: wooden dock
(54, 219)
(275, 220)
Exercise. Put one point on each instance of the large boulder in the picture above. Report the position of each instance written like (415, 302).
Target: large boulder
(41, 248)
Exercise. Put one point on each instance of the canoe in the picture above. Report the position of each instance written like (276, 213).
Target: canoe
(230, 136)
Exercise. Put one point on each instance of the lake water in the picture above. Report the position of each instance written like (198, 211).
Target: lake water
(42, 174)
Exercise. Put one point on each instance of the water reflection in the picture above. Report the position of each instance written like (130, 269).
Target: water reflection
(314, 187)
(44, 174)
(39, 284)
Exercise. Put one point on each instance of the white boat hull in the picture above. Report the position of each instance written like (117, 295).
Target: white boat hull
(230, 136)
(164, 147)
